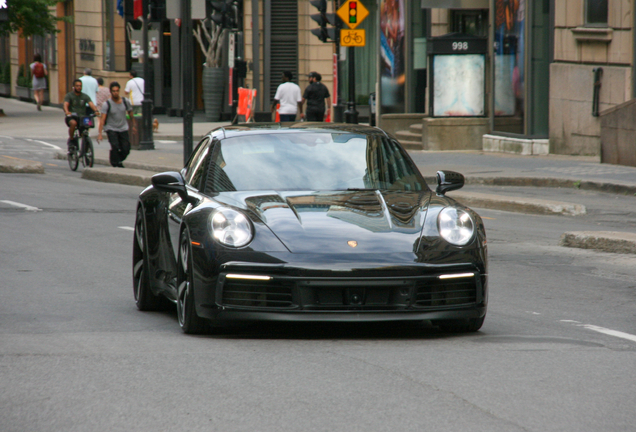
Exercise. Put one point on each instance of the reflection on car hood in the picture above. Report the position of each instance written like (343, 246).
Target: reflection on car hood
(338, 222)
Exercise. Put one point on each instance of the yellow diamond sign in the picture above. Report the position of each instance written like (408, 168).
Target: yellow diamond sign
(352, 12)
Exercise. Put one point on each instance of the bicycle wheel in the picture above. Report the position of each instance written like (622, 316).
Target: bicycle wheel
(89, 154)
(73, 157)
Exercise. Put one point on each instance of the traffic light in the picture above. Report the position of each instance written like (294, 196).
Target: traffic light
(353, 12)
(324, 33)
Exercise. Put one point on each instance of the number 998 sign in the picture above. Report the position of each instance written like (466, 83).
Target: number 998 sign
(460, 46)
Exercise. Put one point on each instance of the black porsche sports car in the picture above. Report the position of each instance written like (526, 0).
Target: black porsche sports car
(308, 222)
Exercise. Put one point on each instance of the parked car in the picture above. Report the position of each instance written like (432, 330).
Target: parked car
(308, 222)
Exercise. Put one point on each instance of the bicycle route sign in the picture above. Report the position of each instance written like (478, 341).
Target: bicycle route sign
(353, 38)
(352, 12)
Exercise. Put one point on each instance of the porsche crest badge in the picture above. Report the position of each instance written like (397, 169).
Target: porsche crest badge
(352, 243)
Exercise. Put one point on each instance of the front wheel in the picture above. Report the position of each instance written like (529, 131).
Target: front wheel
(73, 157)
(145, 299)
(190, 322)
(89, 154)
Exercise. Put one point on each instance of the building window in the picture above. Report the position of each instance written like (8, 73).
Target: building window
(596, 12)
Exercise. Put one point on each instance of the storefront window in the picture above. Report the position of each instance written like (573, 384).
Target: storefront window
(509, 66)
(114, 45)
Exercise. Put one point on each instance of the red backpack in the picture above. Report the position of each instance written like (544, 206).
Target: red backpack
(38, 70)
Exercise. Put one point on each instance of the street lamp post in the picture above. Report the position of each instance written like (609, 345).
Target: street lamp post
(147, 142)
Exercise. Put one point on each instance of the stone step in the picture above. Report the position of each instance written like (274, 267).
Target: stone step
(416, 128)
(408, 135)
(411, 145)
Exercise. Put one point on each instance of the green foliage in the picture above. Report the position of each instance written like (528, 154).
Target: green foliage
(24, 76)
(5, 73)
(32, 17)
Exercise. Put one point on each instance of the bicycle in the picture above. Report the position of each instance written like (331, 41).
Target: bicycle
(86, 153)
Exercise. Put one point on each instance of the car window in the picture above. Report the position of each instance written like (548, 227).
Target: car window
(195, 169)
(311, 161)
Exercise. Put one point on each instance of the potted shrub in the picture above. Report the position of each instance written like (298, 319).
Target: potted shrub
(5, 79)
(23, 89)
(211, 44)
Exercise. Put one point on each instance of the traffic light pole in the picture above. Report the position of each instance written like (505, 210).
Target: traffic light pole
(351, 115)
(147, 142)
(187, 83)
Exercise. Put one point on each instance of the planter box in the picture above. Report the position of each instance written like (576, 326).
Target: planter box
(24, 93)
(5, 89)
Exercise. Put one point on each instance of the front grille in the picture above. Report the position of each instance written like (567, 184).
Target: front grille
(257, 294)
(461, 292)
(354, 294)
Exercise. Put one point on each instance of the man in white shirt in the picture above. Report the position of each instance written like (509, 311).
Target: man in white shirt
(89, 85)
(290, 98)
(134, 90)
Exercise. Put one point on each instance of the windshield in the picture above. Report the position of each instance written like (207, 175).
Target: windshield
(311, 161)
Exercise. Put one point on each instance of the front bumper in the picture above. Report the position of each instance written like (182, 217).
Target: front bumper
(276, 294)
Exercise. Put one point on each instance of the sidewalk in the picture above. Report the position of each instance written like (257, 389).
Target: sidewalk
(480, 168)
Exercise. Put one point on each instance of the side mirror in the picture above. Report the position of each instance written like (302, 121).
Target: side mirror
(448, 181)
(172, 182)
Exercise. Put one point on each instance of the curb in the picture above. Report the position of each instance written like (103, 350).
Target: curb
(607, 241)
(132, 177)
(519, 205)
(617, 188)
(9, 164)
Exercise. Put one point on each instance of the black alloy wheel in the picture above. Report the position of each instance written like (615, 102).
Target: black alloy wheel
(189, 321)
(145, 299)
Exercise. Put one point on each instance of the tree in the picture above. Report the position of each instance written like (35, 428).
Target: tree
(213, 45)
(32, 18)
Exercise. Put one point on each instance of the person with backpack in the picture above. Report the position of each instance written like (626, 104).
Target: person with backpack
(38, 83)
(114, 122)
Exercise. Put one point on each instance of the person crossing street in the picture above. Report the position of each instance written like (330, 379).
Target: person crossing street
(114, 122)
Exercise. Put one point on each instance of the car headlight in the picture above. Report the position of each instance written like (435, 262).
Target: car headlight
(455, 226)
(230, 227)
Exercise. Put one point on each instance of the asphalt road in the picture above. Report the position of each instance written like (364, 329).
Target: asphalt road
(557, 351)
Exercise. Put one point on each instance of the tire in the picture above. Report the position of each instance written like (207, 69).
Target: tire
(89, 152)
(468, 325)
(190, 322)
(73, 158)
(145, 299)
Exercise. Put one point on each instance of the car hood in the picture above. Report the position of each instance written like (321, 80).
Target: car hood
(338, 222)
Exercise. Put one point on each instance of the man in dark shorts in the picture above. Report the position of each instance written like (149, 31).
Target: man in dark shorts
(115, 124)
(75, 104)
(315, 95)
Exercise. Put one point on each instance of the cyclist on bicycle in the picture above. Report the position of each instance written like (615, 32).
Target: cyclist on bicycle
(75, 104)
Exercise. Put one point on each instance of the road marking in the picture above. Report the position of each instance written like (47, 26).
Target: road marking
(4, 136)
(127, 228)
(46, 144)
(610, 332)
(24, 206)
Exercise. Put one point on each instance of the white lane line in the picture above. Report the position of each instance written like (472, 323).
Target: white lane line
(46, 144)
(7, 137)
(610, 332)
(127, 228)
(24, 206)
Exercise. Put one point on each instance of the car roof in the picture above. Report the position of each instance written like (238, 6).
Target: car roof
(244, 129)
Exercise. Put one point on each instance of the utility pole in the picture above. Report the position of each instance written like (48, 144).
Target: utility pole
(187, 59)
(147, 142)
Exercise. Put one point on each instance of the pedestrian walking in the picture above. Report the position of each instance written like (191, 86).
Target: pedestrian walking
(115, 124)
(103, 93)
(134, 90)
(89, 85)
(315, 95)
(38, 82)
(289, 96)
